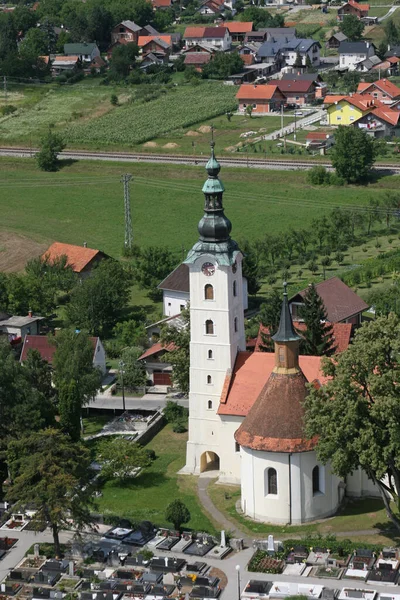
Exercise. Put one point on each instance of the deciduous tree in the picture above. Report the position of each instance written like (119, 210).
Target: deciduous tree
(352, 27)
(47, 157)
(353, 154)
(180, 356)
(151, 265)
(177, 513)
(120, 459)
(356, 413)
(134, 371)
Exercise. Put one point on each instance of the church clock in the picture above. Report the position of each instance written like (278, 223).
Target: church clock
(208, 269)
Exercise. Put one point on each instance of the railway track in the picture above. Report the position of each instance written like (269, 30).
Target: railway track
(251, 162)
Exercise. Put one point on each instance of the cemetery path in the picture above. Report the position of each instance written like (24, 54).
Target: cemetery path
(202, 484)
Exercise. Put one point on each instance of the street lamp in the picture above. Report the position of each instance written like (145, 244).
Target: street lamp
(121, 370)
(238, 579)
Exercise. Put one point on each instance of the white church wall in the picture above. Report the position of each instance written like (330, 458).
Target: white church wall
(230, 464)
(358, 485)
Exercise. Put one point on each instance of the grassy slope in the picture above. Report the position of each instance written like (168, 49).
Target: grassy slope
(147, 496)
(77, 204)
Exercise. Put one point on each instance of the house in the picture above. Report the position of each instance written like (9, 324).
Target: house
(383, 90)
(86, 52)
(262, 98)
(271, 53)
(42, 343)
(238, 29)
(176, 291)
(345, 110)
(150, 60)
(160, 45)
(255, 36)
(16, 328)
(389, 66)
(161, 4)
(335, 40)
(274, 33)
(368, 64)
(316, 140)
(197, 59)
(341, 303)
(127, 31)
(353, 8)
(80, 258)
(341, 335)
(158, 368)
(286, 50)
(296, 91)
(97, 64)
(351, 53)
(217, 37)
(61, 64)
(320, 86)
(381, 122)
(211, 7)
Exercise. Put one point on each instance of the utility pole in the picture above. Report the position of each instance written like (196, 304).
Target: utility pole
(5, 88)
(128, 219)
(295, 124)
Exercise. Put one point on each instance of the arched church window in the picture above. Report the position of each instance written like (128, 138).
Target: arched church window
(235, 324)
(235, 288)
(210, 354)
(210, 404)
(208, 292)
(209, 327)
(315, 480)
(209, 379)
(272, 481)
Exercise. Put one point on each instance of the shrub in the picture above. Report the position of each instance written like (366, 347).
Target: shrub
(150, 453)
(174, 412)
(114, 99)
(318, 175)
(8, 109)
(179, 426)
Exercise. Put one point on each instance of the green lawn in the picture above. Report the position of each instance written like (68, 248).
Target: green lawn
(94, 424)
(358, 515)
(84, 202)
(147, 496)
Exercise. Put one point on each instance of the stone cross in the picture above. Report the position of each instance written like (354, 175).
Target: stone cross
(271, 547)
(223, 539)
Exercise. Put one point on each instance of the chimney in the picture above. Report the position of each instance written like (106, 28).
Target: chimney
(367, 44)
(30, 313)
(85, 244)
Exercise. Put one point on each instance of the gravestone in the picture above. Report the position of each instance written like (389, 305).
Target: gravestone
(223, 539)
(168, 579)
(71, 568)
(271, 547)
(166, 561)
(36, 549)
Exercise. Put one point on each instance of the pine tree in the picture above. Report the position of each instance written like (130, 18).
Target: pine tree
(317, 339)
(70, 409)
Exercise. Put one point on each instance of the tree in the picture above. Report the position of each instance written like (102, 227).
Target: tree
(270, 312)
(96, 303)
(38, 372)
(122, 61)
(69, 408)
(47, 157)
(251, 266)
(179, 357)
(73, 363)
(34, 44)
(317, 338)
(45, 279)
(177, 513)
(352, 27)
(382, 49)
(298, 63)
(131, 333)
(385, 300)
(53, 473)
(8, 36)
(134, 371)
(355, 415)
(353, 154)
(261, 17)
(150, 267)
(325, 262)
(391, 32)
(223, 65)
(121, 459)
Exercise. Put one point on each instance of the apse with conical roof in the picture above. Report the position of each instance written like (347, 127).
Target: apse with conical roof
(214, 227)
(275, 421)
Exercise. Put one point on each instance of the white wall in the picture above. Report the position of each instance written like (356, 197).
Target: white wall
(99, 357)
(358, 484)
(204, 423)
(30, 329)
(296, 498)
(172, 302)
(230, 459)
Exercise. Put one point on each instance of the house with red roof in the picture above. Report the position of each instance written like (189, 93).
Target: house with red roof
(161, 4)
(262, 98)
(238, 29)
(383, 90)
(217, 37)
(43, 344)
(296, 91)
(81, 258)
(158, 367)
(126, 32)
(353, 8)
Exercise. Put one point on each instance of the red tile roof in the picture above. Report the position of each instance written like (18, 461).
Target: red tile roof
(256, 92)
(42, 343)
(340, 301)
(275, 422)
(341, 333)
(362, 101)
(238, 26)
(161, 3)
(362, 7)
(293, 85)
(155, 349)
(250, 374)
(386, 114)
(317, 135)
(78, 257)
(145, 39)
(204, 32)
(197, 58)
(384, 85)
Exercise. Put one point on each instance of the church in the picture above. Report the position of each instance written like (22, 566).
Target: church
(246, 409)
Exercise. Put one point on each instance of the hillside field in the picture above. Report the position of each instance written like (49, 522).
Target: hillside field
(84, 202)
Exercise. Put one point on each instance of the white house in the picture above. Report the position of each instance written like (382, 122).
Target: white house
(352, 53)
(246, 409)
(18, 327)
(216, 37)
(176, 291)
(86, 52)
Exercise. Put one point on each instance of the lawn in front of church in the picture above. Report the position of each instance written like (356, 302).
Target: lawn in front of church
(146, 497)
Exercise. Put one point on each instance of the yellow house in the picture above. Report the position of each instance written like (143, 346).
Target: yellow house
(344, 110)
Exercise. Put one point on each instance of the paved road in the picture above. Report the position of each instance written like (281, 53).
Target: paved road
(388, 14)
(149, 401)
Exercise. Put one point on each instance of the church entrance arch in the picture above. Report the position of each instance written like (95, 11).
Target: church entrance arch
(209, 461)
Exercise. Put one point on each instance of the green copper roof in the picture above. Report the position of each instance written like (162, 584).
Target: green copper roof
(213, 186)
(286, 331)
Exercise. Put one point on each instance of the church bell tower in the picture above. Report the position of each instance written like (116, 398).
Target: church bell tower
(216, 321)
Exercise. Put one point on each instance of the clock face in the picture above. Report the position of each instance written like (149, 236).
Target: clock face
(234, 267)
(208, 269)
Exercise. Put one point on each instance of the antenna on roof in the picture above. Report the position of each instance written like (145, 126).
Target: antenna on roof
(212, 132)
(128, 219)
